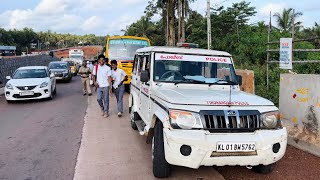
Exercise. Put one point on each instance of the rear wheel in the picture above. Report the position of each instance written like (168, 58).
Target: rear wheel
(133, 118)
(264, 169)
(161, 168)
(127, 88)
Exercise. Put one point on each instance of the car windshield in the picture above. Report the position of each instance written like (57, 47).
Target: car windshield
(58, 66)
(70, 63)
(194, 69)
(30, 73)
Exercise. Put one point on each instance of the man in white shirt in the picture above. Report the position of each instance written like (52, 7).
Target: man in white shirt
(102, 80)
(118, 76)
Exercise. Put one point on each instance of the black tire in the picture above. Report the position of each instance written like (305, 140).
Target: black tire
(51, 95)
(127, 88)
(55, 91)
(133, 117)
(264, 169)
(9, 102)
(161, 168)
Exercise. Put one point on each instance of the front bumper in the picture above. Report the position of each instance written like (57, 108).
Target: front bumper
(203, 144)
(39, 93)
(64, 76)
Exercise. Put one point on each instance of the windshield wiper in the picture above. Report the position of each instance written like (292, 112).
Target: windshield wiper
(190, 81)
(223, 81)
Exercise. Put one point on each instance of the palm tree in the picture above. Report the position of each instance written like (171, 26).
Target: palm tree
(286, 18)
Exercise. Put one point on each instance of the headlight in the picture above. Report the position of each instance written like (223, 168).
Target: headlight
(9, 86)
(185, 119)
(45, 84)
(66, 71)
(271, 120)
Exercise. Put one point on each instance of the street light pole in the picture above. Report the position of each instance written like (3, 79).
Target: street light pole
(209, 25)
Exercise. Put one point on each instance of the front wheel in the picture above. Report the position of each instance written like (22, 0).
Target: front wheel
(9, 102)
(264, 169)
(54, 91)
(161, 168)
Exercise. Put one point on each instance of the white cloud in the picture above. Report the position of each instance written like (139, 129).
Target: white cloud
(133, 2)
(92, 23)
(96, 4)
(265, 10)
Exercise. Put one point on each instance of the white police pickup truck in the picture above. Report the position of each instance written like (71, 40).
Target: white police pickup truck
(188, 103)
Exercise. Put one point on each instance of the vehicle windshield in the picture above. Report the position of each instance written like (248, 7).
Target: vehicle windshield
(125, 48)
(58, 66)
(194, 69)
(76, 57)
(70, 63)
(30, 73)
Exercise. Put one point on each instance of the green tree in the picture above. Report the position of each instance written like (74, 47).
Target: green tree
(287, 19)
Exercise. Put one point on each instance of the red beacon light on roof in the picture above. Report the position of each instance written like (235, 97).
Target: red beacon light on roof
(188, 45)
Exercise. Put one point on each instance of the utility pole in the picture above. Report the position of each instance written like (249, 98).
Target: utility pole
(268, 53)
(292, 36)
(209, 25)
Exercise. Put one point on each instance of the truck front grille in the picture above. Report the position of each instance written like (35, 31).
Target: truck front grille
(231, 120)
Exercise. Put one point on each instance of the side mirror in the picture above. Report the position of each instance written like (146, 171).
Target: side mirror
(144, 77)
(239, 79)
(52, 75)
(8, 77)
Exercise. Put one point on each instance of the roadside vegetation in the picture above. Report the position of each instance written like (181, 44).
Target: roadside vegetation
(232, 32)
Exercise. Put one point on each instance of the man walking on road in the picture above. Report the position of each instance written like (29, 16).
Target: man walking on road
(102, 80)
(85, 72)
(119, 76)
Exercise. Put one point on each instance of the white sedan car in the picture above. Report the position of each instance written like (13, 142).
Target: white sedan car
(30, 82)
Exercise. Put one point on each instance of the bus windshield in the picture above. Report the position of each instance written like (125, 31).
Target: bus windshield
(124, 48)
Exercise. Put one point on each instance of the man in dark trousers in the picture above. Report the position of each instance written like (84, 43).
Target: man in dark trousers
(118, 76)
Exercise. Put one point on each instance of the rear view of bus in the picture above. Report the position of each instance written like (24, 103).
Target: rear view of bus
(122, 49)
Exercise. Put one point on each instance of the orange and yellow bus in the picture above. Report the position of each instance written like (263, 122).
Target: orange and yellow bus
(122, 49)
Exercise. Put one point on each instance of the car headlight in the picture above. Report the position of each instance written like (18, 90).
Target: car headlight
(66, 71)
(9, 86)
(271, 120)
(44, 84)
(185, 120)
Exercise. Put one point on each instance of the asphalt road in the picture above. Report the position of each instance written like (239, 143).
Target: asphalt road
(41, 139)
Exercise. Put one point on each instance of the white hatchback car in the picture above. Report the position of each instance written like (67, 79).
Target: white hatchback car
(30, 82)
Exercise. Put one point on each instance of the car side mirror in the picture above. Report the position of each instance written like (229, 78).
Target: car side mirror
(239, 79)
(52, 75)
(144, 77)
(8, 77)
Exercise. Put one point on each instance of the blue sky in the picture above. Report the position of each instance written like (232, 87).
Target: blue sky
(102, 17)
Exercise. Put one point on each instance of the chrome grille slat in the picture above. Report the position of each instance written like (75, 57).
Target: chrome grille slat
(232, 120)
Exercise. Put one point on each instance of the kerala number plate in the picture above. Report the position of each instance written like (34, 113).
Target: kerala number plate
(236, 147)
(27, 93)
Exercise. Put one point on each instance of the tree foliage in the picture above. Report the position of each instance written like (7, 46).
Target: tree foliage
(24, 38)
(232, 32)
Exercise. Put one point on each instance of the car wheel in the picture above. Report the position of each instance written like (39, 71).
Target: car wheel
(127, 88)
(9, 102)
(51, 96)
(161, 168)
(264, 169)
(55, 91)
(133, 118)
